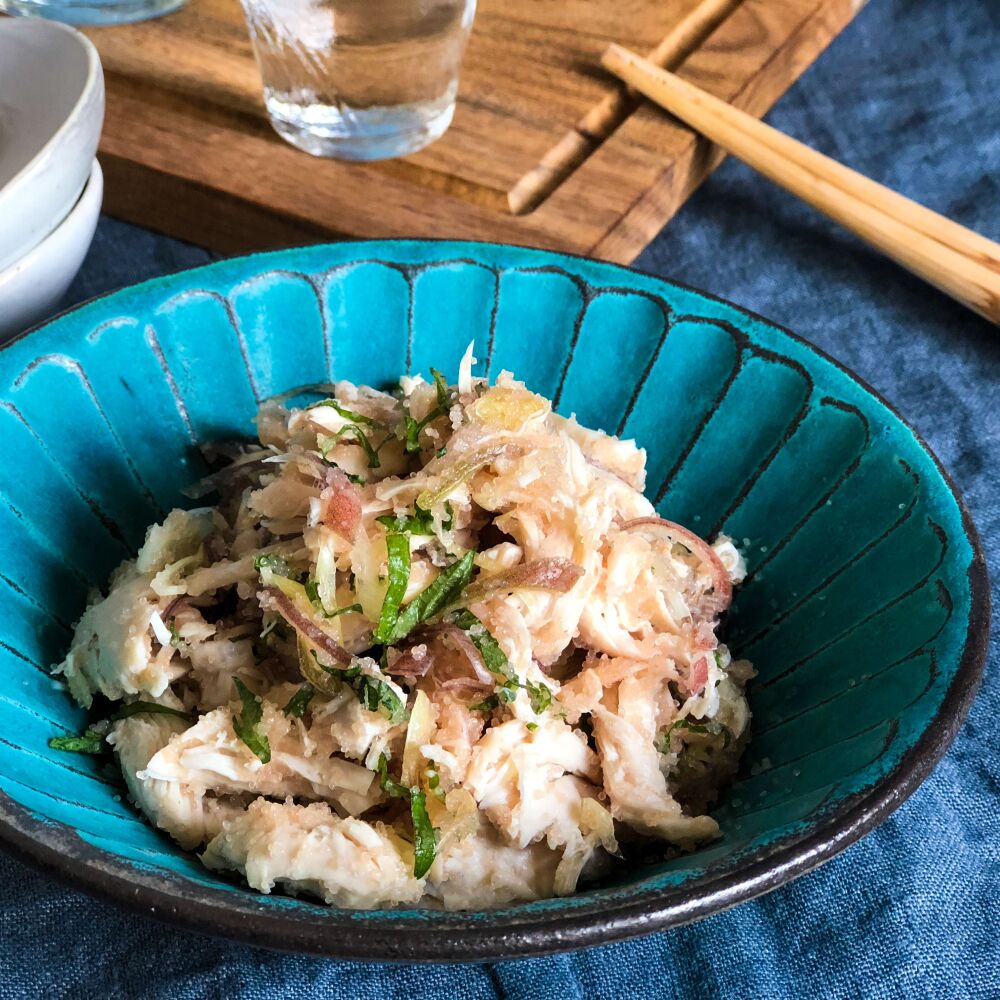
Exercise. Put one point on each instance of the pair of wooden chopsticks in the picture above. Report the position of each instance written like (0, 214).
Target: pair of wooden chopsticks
(604, 117)
(954, 259)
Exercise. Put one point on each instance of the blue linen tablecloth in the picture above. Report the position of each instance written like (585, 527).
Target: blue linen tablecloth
(908, 94)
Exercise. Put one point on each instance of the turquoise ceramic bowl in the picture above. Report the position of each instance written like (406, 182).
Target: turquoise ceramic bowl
(865, 611)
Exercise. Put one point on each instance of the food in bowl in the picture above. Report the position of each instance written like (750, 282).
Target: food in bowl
(429, 647)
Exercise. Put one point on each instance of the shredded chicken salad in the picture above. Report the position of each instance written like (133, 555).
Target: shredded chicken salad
(432, 647)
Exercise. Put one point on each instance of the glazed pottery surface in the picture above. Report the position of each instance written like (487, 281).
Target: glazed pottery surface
(864, 612)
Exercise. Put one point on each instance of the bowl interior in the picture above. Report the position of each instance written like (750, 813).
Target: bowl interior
(855, 613)
(51, 108)
(33, 114)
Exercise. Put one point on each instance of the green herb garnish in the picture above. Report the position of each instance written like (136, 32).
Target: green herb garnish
(503, 695)
(350, 415)
(398, 549)
(90, 741)
(372, 692)
(299, 701)
(149, 708)
(355, 421)
(424, 834)
(328, 442)
(311, 588)
(443, 392)
(413, 428)
(375, 694)
(702, 736)
(388, 784)
(354, 609)
(420, 522)
(539, 695)
(245, 724)
(351, 477)
(531, 726)
(702, 729)
(278, 565)
(445, 590)
(493, 656)
(412, 433)
(176, 639)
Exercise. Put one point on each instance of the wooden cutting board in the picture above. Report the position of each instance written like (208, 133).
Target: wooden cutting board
(187, 149)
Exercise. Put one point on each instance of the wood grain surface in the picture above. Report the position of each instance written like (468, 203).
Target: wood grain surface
(188, 151)
(958, 261)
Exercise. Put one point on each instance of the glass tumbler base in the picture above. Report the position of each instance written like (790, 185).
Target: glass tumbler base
(91, 11)
(360, 134)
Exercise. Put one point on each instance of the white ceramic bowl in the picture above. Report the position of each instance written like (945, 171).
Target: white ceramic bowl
(51, 112)
(31, 288)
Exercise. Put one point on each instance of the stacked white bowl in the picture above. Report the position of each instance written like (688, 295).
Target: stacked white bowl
(51, 113)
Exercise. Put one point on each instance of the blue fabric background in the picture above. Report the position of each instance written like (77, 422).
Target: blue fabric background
(908, 95)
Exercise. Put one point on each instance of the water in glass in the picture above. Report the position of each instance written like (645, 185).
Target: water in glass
(360, 79)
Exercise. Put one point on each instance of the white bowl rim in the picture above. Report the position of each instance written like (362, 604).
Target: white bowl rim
(95, 76)
(93, 188)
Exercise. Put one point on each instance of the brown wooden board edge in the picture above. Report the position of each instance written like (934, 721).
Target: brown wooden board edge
(223, 221)
(698, 159)
(198, 213)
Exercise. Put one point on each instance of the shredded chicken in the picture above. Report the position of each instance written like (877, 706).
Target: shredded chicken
(530, 783)
(303, 761)
(186, 812)
(483, 871)
(346, 862)
(433, 646)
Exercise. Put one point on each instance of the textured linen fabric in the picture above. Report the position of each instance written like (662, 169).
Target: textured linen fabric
(908, 95)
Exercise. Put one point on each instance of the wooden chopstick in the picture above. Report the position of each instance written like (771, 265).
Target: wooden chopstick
(605, 116)
(954, 259)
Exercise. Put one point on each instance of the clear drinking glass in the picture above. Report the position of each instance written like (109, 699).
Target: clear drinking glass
(359, 79)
